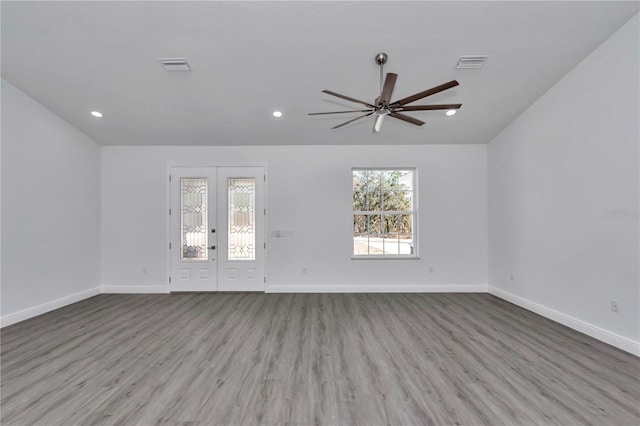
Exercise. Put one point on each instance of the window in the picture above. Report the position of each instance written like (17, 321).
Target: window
(384, 211)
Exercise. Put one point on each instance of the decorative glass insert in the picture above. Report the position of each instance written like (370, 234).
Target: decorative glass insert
(193, 206)
(242, 218)
(383, 212)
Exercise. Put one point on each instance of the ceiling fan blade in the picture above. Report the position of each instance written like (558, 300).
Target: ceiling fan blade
(338, 112)
(377, 125)
(351, 121)
(426, 93)
(406, 118)
(428, 107)
(347, 98)
(387, 89)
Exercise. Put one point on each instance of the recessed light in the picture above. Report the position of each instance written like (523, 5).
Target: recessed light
(277, 114)
(451, 112)
(97, 114)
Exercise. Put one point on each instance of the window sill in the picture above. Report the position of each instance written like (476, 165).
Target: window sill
(388, 257)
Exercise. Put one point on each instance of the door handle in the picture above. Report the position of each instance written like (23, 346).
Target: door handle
(212, 248)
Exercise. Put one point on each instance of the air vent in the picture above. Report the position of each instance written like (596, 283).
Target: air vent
(175, 64)
(471, 62)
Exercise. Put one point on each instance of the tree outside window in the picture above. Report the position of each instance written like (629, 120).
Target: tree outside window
(383, 212)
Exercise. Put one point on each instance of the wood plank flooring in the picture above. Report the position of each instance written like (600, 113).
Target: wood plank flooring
(310, 359)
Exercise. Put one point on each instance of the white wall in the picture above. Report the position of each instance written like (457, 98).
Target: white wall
(50, 209)
(309, 193)
(554, 174)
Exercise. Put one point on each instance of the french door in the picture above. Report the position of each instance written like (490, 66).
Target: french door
(217, 222)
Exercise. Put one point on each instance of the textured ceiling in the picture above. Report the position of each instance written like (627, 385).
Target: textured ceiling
(251, 58)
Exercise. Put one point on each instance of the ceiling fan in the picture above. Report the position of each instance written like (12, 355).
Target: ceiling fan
(383, 106)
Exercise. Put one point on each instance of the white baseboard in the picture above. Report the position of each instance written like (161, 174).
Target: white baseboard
(140, 289)
(381, 288)
(47, 307)
(596, 332)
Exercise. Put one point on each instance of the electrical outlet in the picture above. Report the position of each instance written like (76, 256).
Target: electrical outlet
(512, 277)
(431, 269)
(304, 270)
(615, 306)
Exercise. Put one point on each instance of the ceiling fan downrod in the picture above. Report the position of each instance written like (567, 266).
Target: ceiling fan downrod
(381, 59)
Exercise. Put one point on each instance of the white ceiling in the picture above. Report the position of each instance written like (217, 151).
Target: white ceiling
(251, 58)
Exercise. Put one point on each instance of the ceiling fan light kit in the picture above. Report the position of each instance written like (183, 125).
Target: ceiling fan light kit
(383, 106)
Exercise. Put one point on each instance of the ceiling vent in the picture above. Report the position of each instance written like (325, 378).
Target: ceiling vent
(471, 62)
(174, 64)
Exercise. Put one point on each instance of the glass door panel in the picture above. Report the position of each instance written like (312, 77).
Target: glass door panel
(241, 225)
(193, 209)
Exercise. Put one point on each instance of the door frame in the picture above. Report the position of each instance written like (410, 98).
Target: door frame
(171, 165)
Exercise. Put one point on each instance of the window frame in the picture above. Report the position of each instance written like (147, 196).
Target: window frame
(413, 213)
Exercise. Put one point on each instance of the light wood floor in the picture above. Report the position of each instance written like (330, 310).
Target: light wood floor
(352, 359)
